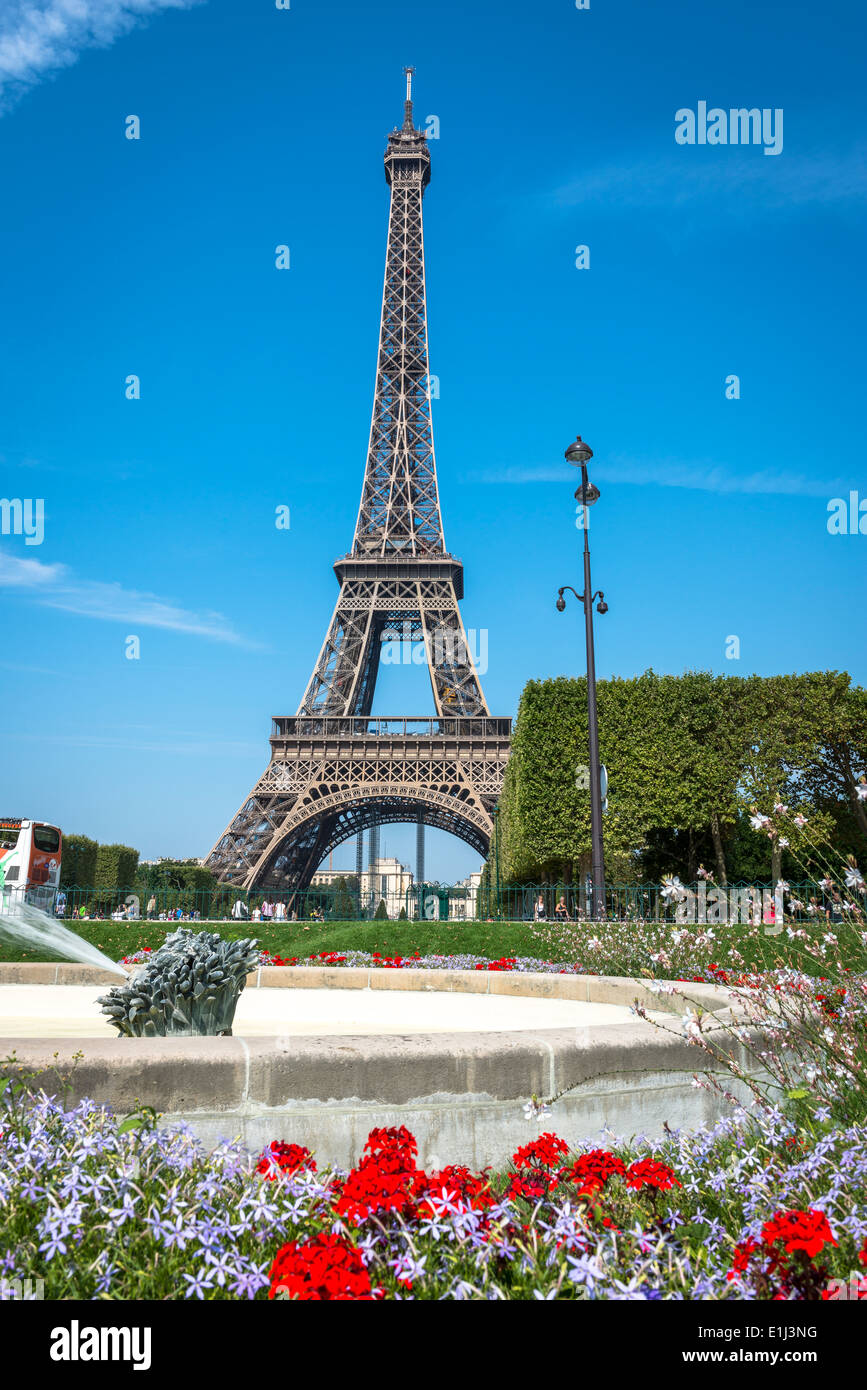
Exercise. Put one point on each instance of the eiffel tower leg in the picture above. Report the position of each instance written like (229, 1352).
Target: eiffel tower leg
(456, 686)
(344, 676)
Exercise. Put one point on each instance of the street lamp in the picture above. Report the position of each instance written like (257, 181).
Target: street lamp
(578, 454)
(497, 854)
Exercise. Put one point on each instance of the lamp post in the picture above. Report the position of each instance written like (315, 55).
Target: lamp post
(578, 454)
(497, 854)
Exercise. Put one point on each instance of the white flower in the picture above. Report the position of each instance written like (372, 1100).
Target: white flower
(536, 1109)
(861, 789)
(691, 1026)
(781, 882)
(826, 883)
(800, 821)
(759, 822)
(854, 879)
(784, 844)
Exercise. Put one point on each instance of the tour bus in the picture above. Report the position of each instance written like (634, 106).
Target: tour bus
(29, 863)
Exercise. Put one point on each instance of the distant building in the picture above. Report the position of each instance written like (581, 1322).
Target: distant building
(388, 881)
(464, 907)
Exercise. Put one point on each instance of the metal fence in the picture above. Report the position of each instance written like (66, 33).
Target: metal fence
(431, 902)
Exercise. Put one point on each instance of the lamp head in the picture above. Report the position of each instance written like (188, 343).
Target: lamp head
(561, 603)
(578, 452)
(587, 495)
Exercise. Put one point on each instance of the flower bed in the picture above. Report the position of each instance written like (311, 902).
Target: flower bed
(751, 1209)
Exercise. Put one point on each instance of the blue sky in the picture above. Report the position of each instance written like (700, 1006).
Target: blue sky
(155, 257)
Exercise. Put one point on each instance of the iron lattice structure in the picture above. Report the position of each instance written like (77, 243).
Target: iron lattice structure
(335, 770)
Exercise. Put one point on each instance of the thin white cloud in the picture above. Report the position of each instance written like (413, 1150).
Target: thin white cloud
(39, 36)
(55, 586)
(690, 175)
(701, 475)
(16, 573)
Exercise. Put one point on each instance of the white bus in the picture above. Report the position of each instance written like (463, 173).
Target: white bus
(30, 853)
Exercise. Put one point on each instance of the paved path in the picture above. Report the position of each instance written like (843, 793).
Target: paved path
(71, 1011)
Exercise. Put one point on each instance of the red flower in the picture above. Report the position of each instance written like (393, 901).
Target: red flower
(743, 1253)
(789, 1243)
(458, 1184)
(284, 1158)
(862, 1254)
(393, 1141)
(532, 1184)
(592, 1170)
(799, 1230)
(544, 1152)
(385, 1179)
(648, 1173)
(326, 1267)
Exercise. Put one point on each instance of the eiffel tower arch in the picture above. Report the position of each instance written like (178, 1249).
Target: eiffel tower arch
(335, 769)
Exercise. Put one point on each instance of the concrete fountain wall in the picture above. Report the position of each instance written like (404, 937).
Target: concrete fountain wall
(462, 1094)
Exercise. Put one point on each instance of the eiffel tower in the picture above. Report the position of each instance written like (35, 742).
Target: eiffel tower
(335, 769)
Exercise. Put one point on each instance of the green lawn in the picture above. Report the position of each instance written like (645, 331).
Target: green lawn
(303, 939)
(614, 948)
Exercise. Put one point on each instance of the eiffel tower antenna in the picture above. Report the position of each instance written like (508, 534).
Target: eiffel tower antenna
(335, 770)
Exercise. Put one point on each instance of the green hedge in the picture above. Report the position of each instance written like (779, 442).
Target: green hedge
(78, 860)
(115, 866)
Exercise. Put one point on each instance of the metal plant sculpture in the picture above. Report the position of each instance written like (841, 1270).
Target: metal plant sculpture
(190, 986)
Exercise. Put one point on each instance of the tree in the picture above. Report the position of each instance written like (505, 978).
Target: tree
(78, 862)
(839, 764)
(115, 866)
(381, 915)
(687, 756)
(785, 716)
(344, 907)
(710, 733)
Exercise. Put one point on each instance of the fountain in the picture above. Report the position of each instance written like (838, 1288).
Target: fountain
(32, 927)
(453, 1054)
(188, 988)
